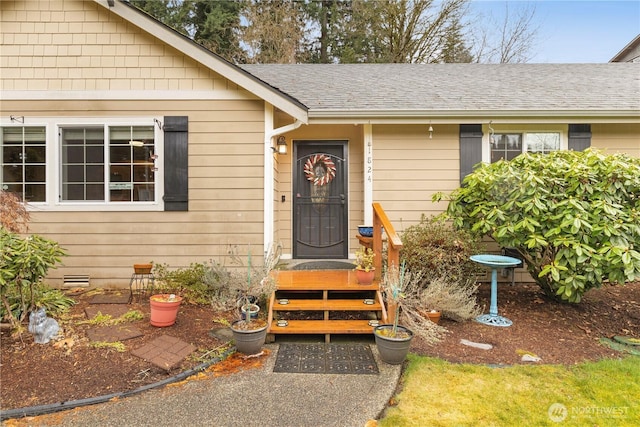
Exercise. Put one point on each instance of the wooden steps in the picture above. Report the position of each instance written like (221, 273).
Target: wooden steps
(323, 327)
(325, 295)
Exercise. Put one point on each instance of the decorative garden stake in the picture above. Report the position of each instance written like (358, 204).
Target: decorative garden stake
(42, 327)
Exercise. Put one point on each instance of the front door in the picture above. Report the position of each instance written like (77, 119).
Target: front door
(320, 200)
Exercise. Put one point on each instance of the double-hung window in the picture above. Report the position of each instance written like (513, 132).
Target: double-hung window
(107, 164)
(23, 160)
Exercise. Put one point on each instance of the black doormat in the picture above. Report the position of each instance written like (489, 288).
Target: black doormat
(325, 359)
(324, 265)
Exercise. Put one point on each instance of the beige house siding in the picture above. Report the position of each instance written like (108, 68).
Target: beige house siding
(79, 46)
(225, 196)
(619, 137)
(408, 168)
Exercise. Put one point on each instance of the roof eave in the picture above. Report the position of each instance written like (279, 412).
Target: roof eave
(457, 116)
(216, 63)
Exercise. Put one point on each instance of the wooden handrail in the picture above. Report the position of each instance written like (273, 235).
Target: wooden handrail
(394, 243)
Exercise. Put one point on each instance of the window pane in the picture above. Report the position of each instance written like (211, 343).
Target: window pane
(35, 192)
(95, 192)
(74, 173)
(35, 173)
(11, 173)
(12, 155)
(543, 142)
(95, 154)
(505, 146)
(95, 173)
(35, 154)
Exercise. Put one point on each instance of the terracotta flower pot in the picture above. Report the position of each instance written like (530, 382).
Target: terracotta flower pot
(433, 315)
(142, 268)
(365, 277)
(164, 309)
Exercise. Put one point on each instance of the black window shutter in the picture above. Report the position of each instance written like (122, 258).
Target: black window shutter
(176, 163)
(579, 137)
(470, 148)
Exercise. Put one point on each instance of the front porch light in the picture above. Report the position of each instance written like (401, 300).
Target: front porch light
(282, 145)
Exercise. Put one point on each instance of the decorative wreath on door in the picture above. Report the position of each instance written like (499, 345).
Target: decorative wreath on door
(320, 169)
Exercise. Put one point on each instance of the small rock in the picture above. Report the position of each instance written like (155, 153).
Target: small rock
(530, 358)
(476, 344)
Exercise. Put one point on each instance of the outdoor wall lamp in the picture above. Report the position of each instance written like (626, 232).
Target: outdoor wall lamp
(430, 131)
(281, 146)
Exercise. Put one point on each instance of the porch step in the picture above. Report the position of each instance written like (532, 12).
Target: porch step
(319, 280)
(328, 305)
(323, 327)
(330, 292)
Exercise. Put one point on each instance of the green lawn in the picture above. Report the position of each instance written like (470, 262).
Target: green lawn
(438, 393)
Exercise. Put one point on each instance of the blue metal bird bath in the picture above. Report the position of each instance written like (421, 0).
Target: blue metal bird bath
(495, 262)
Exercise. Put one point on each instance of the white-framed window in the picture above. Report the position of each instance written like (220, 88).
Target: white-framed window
(84, 164)
(23, 161)
(507, 144)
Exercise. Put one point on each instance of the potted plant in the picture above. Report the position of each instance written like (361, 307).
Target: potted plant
(250, 331)
(365, 271)
(433, 315)
(392, 340)
(164, 309)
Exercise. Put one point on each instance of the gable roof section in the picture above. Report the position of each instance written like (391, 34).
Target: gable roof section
(405, 91)
(629, 53)
(205, 57)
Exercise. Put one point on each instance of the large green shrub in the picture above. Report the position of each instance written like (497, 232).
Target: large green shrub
(573, 216)
(440, 251)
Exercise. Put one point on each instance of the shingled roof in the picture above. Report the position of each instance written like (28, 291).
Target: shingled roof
(458, 90)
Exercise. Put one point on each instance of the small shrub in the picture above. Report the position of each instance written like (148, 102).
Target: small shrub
(456, 301)
(24, 264)
(434, 247)
(199, 283)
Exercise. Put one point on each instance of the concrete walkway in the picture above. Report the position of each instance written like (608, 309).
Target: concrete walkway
(255, 397)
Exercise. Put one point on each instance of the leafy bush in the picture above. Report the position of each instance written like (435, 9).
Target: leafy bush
(54, 301)
(24, 263)
(436, 248)
(573, 216)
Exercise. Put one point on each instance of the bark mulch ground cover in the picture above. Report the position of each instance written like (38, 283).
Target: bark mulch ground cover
(69, 369)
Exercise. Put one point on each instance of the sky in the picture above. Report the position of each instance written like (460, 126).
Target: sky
(575, 31)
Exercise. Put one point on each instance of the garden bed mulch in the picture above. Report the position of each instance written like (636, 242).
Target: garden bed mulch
(36, 374)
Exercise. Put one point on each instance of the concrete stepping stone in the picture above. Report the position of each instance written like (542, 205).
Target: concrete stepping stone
(165, 352)
(113, 333)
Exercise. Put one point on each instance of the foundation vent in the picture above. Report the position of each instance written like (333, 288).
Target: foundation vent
(76, 281)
